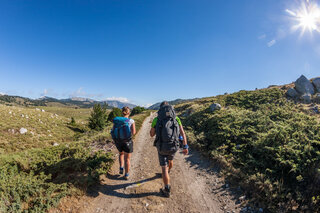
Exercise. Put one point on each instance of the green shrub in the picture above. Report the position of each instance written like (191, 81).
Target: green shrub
(35, 180)
(116, 112)
(267, 144)
(137, 110)
(98, 118)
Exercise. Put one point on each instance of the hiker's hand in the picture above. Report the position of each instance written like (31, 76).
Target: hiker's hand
(185, 151)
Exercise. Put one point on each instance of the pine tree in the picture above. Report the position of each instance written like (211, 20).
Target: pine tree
(98, 118)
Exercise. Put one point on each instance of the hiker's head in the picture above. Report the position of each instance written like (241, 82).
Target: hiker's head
(126, 111)
(164, 103)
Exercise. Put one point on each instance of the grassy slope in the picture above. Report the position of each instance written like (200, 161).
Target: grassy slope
(35, 175)
(267, 144)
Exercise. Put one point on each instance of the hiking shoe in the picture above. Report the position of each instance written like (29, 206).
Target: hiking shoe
(165, 192)
(126, 176)
(121, 171)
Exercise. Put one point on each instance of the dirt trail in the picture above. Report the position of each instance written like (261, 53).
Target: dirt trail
(196, 187)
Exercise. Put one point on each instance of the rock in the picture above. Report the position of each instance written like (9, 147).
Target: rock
(315, 109)
(42, 110)
(316, 84)
(292, 93)
(215, 106)
(242, 198)
(304, 86)
(55, 144)
(23, 131)
(317, 98)
(306, 98)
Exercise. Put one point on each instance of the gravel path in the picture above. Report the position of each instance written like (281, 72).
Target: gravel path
(196, 187)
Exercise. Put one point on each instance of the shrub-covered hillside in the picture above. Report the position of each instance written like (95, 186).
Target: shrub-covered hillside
(265, 142)
(45, 155)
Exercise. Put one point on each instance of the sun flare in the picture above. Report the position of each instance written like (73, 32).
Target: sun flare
(307, 17)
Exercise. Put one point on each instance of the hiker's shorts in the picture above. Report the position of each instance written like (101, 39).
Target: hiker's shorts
(125, 147)
(164, 159)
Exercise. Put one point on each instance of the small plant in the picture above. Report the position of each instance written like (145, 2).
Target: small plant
(73, 121)
(98, 118)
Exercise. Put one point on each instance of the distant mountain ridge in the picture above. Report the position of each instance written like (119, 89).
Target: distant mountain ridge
(156, 106)
(69, 102)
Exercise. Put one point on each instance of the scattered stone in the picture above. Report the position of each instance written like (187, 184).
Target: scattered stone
(306, 98)
(37, 109)
(55, 144)
(317, 98)
(215, 106)
(42, 110)
(10, 112)
(23, 131)
(316, 84)
(147, 204)
(22, 115)
(315, 109)
(242, 198)
(12, 131)
(50, 135)
(292, 93)
(304, 86)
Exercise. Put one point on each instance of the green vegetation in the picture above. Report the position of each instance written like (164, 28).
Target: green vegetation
(116, 112)
(98, 118)
(35, 180)
(264, 142)
(54, 158)
(137, 110)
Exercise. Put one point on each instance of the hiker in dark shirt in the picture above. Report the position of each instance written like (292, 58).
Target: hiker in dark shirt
(167, 127)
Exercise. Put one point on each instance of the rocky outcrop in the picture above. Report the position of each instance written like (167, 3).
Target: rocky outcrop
(292, 93)
(214, 107)
(316, 84)
(305, 90)
(304, 86)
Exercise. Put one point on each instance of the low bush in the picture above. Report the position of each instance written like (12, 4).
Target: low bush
(35, 180)
(266, 144)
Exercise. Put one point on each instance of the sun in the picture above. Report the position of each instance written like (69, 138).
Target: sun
(307, 17)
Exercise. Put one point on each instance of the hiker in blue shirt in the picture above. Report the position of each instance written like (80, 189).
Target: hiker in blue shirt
(167, 127)
(123, 130)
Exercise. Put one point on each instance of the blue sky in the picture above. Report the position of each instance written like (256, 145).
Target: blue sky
(149, 51)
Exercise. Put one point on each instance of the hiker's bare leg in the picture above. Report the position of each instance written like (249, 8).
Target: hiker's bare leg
(121, 159)
(170, 164)
(165, 175)
(127, 157)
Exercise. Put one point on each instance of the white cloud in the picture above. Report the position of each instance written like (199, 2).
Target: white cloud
(147, 105)
(2, 93)
(122, 99)
(263, 36)
(271, 43)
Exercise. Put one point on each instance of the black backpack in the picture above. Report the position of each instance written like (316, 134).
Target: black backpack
(167, 131)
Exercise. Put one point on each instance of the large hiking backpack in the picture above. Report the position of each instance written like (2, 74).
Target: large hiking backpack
(121, 131)
(167, 131)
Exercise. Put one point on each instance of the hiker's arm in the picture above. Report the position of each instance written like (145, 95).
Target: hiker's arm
(133, 128)
(185, 151)
(152, 132)
(183, 135)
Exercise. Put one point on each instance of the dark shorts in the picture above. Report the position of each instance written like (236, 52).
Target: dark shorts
(125, 147)
(164, 159)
